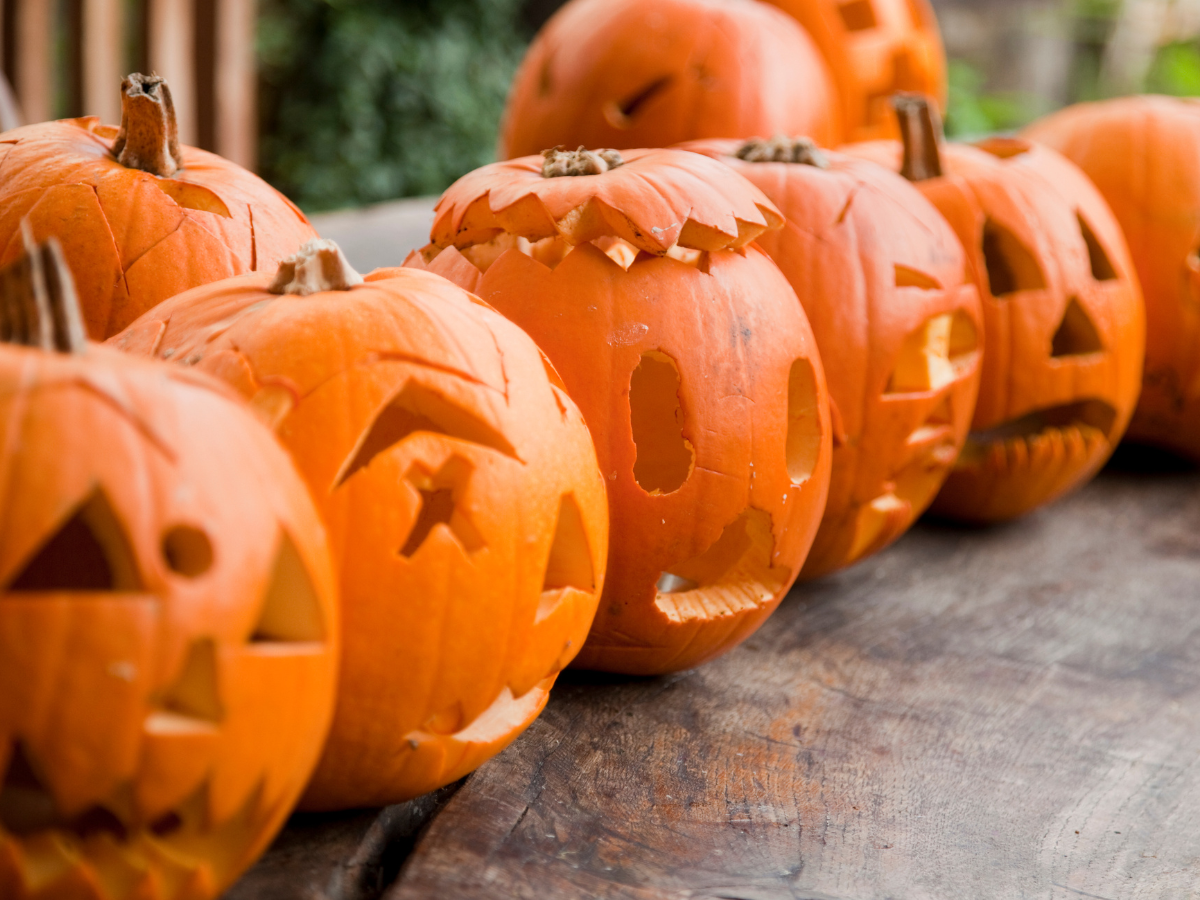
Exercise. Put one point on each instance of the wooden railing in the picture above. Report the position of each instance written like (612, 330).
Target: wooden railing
(67, 58)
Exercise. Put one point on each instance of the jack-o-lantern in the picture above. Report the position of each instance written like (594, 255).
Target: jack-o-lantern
(693, 364)
(1141, 154)
(140, 217)
(1064, 327)
(875, 48)
(458, 481)
(168, 624)
(882, 279)
(626, 73)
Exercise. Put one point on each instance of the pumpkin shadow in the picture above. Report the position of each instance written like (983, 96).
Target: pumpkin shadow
(1147, 460)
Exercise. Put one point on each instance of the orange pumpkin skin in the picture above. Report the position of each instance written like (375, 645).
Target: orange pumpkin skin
(168, 630)
(625, 73)
(459, 484)
(131, 238)
(695, 370)
(874, 48)
(1140, 153)
(1064, 324)
(882, 279)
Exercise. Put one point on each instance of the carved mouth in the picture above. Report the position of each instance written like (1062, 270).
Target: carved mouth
(177, 845)
(1083, 421)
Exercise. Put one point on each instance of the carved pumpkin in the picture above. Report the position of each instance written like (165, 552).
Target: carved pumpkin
(140, 218)
(1140, 153)
(168, 628)
(693, 364)
(875, 48)
(882, 279)
(1064, 328)
(626, 73)
(460, 487)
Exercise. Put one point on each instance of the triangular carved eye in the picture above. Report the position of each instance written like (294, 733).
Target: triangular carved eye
(418, 408)
(570, 564)
(1102, 267)
(1011, 267)
(90, 551)
(291, 612)
(1076, 333)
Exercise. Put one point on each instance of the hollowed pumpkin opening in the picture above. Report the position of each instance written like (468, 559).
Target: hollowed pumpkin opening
(934, 355)
(90, 551)
(1011, 267)
(664, 456)
(570, 566)
(620, 114)
(439, 506)
(907, 276)
(1102, 267)
(1076, 334)
(417, 408)
(803, 446)
(187, 551)
(195, 694)
(857, 15)
(291, 611)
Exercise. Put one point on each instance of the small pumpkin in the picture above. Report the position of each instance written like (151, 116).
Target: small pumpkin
(692, 362)
(168, 623)
(626, 73)
(1140, 153)
(1064, 326)
(460, 488)
(882, 279)
(140, 217)
(875, 48)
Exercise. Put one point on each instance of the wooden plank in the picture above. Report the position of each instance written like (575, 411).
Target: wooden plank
(102, 59)
(33, 72)
(979, 713)
(236, 81)
(171, 54)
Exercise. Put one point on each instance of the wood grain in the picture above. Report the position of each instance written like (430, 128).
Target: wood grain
(1002, 713)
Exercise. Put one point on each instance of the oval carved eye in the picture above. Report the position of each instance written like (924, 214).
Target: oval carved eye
(187, 551)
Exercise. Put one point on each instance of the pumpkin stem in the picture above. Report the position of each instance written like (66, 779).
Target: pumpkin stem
(319, 266)
(38, 303)
(781, 148)
(559, 162)
(921, 131)
(149, 135)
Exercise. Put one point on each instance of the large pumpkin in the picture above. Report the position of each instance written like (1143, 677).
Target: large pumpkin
(168, 627)
(875, 48)
(140, 217)
(883, 281)
(626, 73)
(1064, 328)
(1141, 154)
(693, 364)
(460, 487)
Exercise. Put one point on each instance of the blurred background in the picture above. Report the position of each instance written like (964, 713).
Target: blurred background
(343, 103)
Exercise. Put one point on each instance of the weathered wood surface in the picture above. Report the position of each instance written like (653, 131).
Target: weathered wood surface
(1011, 712)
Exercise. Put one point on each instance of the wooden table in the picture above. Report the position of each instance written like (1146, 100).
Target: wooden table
(1011, 712)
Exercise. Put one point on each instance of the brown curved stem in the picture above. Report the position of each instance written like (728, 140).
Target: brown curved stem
(149, 135)
(921, 132)
(38, 303)
(319, 266)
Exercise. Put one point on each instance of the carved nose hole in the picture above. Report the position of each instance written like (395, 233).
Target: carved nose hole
(90, 551)
(803, 445)
(439, 495)
(1102, 267)
(1076, 334)
(934, 355)
(291, 611)
(621, 114)
(857, 15)
(1011, 267)
(664, 456)
(187, 551)
(437, 506)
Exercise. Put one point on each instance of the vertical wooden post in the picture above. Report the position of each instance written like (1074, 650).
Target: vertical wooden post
(102, 60)
(172, 55)
(235, 82)
(32, 72)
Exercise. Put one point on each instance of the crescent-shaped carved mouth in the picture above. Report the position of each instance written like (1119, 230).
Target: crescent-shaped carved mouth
(1067, 422)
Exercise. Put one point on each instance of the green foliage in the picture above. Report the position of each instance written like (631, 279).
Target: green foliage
(366, 100)
(972, 112)
(1176, 70)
